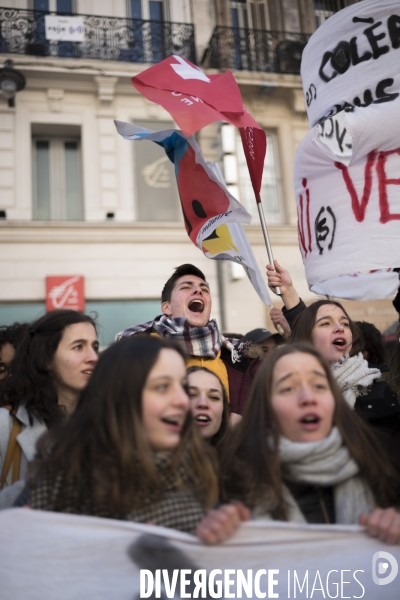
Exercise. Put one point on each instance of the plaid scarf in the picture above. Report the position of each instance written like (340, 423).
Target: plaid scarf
(179, 506)
(197, 341)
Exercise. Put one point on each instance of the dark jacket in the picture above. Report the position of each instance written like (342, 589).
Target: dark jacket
(315, 502)
(291, 314)
(240, 376)
(380, 408)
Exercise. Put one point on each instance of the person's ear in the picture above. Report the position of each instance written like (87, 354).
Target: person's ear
(166, 309)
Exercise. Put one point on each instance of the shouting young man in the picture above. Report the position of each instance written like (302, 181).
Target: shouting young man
(186, 308)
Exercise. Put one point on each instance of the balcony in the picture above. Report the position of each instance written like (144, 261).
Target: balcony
(255, 50)
(106, 38)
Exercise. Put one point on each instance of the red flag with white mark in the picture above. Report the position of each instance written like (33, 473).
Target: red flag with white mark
(195, 100)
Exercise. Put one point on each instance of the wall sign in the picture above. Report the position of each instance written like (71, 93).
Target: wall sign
(64, 29)
(65, 291)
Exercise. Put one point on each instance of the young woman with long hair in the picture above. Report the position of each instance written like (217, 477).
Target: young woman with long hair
(52, 364)
(327, 325)
(131, 450)
(209, 404)
(301, 454)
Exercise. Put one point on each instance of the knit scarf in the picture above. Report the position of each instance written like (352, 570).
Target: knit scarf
(354, 377)
(179, 507)
(326, 463)
(205, 342)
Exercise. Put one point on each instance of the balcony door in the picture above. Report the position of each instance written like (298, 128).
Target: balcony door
(250, 14)
(149, 10)
(147, 41)
(250, 20)
(40, 46)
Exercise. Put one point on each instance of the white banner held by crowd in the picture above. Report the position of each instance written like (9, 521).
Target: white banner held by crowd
(48, 556)
(353, 59)
(347, 168)
(360, 286)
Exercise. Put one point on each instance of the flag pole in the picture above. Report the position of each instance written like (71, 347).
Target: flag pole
(266, 237)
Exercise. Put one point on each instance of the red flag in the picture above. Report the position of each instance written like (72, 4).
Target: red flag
(174, 74)
(195, 100)
(254, 143)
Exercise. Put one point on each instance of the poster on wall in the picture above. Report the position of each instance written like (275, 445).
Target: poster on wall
(65, 291)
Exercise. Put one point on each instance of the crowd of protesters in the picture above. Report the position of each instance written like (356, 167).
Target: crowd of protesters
(179, 425)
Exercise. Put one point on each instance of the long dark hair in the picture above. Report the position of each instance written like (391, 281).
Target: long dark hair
(392, 377)
(13, 335)
(102, 455)
(31, 381)
(250, 465)
(217, 438)
(304, 324)
(374, 349)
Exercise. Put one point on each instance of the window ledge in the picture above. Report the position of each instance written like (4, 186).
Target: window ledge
(84, 232)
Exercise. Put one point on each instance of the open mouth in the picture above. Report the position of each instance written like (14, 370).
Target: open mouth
(340, 343)
(196, 306)
(202, 419)
(310, 422)
(173, 422)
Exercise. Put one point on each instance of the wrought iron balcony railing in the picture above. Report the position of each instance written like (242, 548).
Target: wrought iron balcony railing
(255, 50)
(106, 38)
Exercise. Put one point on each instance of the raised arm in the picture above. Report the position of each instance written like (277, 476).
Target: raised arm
(280, 322)
(278, 276)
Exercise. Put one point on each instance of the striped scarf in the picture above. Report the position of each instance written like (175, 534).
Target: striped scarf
(205, 342)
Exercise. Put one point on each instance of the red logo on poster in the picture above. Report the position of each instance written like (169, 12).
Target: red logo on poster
(65, 291)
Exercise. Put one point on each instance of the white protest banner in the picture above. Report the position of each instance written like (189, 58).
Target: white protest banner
(347, 168)
(352, 59)
(64, 29)
(360, 286)
(54, 556)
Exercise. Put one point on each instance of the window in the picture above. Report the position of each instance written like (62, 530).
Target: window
(323, 9)
(250, 21)
(60, 6)
(146, 35)
(38, 44)
(238, 179)
(157, 197)
(251, 14)
(291, 16)
(271, 183)
(152, 10)
(112, 315)
(57, 179)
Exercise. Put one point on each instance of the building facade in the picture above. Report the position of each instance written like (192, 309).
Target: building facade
(77, 199)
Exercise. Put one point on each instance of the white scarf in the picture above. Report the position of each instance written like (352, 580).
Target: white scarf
(354, 376)
(326, 463)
